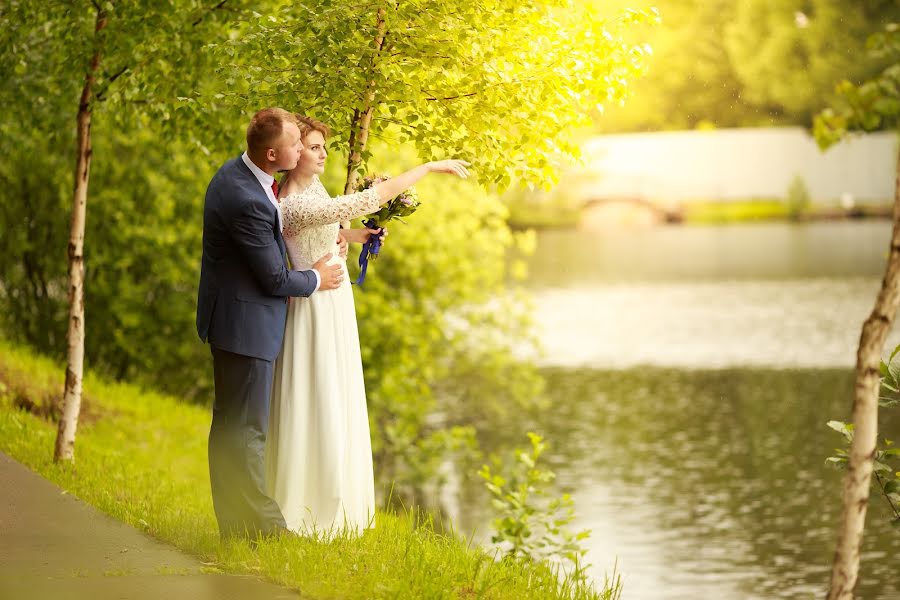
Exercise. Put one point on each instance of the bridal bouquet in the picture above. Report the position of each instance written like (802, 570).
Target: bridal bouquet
(400, 206)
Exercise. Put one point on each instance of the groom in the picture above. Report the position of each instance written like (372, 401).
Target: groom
(241, 311)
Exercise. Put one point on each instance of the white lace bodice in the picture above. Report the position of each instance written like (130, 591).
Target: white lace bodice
(312, 217)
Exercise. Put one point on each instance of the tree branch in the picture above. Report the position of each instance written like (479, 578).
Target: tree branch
(118, 74)
(886, 496)
(211, 10)
(470, 94)
(101, 93)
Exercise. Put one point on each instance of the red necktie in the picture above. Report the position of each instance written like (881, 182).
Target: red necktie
(275, 189)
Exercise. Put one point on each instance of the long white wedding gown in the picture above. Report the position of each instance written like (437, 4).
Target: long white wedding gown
(318, 452)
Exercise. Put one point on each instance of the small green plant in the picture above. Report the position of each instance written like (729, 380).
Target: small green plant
(532, 524)
(797, 200)
(886, 468)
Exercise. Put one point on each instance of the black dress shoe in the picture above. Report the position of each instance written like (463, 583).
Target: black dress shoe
(277, 533)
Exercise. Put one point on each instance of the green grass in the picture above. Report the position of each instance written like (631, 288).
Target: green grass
(141, 458)
(539, 216)
(700, 212)
(735, 211)
(773, 209)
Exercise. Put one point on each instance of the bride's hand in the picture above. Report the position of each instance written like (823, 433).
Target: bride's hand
(361, 235)
(342, 244)
(450, 166)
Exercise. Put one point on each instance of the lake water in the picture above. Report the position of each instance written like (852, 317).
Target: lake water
(692, 371)
(777, 295)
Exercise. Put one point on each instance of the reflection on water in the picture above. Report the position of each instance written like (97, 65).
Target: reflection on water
(791, 323)
(706, 484)
(707, 480)
(777, 295)
(762, 251)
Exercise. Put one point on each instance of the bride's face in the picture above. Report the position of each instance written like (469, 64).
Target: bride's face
(312, 158)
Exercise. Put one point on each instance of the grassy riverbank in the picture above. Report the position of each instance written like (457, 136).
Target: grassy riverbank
(558, 215)
(141, 458)
(774, 209)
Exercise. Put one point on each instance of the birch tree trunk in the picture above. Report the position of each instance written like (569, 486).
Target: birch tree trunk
(68, 422)
(362, 119)
(857, 480)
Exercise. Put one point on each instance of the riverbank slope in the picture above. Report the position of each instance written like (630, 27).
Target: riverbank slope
(141, 458)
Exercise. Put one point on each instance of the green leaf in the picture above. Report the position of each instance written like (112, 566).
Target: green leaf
(894, 372)
(836, 461)
(845, 429)
(894, 353)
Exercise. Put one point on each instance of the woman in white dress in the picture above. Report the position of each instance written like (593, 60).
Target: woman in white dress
(318, 451)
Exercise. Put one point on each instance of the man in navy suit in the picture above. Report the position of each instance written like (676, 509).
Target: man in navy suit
(241, 311)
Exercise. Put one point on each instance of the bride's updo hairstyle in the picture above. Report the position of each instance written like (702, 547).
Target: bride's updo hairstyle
(308, 124)
(266, 127)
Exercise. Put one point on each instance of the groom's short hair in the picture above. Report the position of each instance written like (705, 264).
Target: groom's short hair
(266, 127)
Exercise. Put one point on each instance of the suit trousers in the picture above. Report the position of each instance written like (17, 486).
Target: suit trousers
(237, 441)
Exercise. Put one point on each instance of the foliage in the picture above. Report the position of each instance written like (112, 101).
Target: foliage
(142, 459)
(142, 191)
(149, 55)
(886, 468)
(787, 53)
(141, 263)
(797, 200)
(871, 106)
(530, 523)
(690, 78)
(560, 207)
(440, 322)
(437, 322)
(718, 63)
(496, 83)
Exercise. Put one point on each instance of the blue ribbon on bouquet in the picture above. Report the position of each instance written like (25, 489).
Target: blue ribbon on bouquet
(371, 247)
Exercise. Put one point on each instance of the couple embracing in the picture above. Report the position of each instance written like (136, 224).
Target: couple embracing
(289, 446)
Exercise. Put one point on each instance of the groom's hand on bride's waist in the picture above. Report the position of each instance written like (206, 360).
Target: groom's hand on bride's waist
(330, 276)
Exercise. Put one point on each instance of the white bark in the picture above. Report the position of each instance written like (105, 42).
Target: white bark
(68, 422)
(857, 480)
(362, 119)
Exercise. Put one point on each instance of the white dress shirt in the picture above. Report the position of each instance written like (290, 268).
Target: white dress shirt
(266, 181)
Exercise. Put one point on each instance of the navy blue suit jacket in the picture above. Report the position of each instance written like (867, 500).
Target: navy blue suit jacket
(244, 279)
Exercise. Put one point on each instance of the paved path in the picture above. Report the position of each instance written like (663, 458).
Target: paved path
(54, 546)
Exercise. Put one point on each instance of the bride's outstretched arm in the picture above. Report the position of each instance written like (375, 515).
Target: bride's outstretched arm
(309, 210)
(390, 188)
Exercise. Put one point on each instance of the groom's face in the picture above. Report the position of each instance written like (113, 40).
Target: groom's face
(287, 149)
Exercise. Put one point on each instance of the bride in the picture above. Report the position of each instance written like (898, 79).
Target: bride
(318, 453)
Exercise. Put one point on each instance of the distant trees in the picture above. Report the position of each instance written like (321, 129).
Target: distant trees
(499, 83)
(750, 63)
